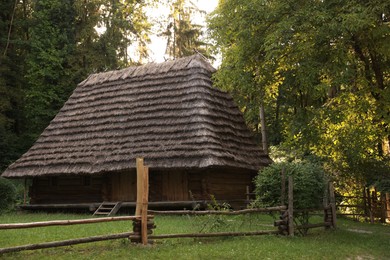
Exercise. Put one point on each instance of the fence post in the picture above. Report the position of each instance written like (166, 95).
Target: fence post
(387, 206)
(332, 204)
(383, 207)
(140, 186)
(290, 206)
(283, 187)
(141, 210)
(144, 211)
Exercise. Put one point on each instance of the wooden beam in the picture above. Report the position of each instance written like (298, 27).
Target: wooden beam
(290, 206)
(217, 212)
(65, 242)
(144, 211)
(283, 186)
(140, 186)
(64, 222)
(220, 234)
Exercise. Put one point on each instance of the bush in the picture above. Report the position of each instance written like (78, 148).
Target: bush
(309, 184)
(309, 187)
(8, 195)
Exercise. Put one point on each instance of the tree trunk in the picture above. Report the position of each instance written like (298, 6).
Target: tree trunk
(263, 130)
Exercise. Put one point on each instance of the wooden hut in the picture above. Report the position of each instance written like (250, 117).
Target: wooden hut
(191, 135)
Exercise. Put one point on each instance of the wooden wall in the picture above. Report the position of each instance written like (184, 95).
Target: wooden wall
(123, 186)
(66, 189)
(200, 185)
(223, 185)
(183, 185)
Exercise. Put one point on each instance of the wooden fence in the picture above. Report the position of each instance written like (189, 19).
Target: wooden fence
(143, 223)
(372, 206)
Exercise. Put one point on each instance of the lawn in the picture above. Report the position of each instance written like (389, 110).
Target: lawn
(351, 240)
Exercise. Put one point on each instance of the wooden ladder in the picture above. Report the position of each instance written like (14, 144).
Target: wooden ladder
(108, 209)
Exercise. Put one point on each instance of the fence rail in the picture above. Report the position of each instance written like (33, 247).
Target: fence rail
(143, 223)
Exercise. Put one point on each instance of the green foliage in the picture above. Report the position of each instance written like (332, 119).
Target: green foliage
(8, 194)
(183, 35)
(48, 47)
(321, 70)
(309, 184)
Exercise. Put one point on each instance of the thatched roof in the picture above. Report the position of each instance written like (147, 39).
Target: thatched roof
(168, 113)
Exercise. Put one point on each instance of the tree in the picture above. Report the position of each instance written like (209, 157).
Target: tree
(65, 48)
(320, 67)
(48, 47)
(14, 21)
(183, 36)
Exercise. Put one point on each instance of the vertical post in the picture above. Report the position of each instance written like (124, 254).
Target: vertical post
(247, 196)
(365, 202)
(332, 204)
(144, 211)
(325, 204)
(369, 204)
(383, 207)
(140, 185)
(25, 191)
(290, 207)
(283, 187)
(373, 206)
(388, 206)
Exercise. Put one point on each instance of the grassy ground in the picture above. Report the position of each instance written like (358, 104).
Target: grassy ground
(352, 240)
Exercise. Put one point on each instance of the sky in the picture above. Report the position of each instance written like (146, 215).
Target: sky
(158, 44)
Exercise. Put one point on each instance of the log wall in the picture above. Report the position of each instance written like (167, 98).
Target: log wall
(183, 185)
(66, 189)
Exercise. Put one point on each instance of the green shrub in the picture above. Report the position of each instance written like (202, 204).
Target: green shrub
(8, 195)
(309, 184)
(309, 187)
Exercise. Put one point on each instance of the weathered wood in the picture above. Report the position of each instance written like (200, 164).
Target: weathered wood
(64, 222)
(144, 211)
(332, 204)
(283, 188)
(383, 213)
(65, 242)
(66, 189)
(123, 186)
(216, 212)
(290, 206)
(388, 206)
(140, 173)
(220, 234)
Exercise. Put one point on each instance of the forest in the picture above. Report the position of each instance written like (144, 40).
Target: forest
(311, 77)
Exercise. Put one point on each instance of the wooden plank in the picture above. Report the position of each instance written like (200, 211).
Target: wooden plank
(144, 211)
(290, 206)
(65, 242)
(283, 187)
(140, 185)
(64, 222)
(219, 234)
(216, 212)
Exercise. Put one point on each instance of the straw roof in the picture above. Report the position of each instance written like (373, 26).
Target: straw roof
(168, 113)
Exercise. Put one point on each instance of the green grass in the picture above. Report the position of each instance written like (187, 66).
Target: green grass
(352, 240)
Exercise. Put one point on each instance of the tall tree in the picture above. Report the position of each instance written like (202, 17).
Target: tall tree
(183, 35)
(320, 67)
(52, 41)
(14, 20)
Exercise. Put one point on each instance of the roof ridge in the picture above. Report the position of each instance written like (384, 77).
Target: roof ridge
(187, 62)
